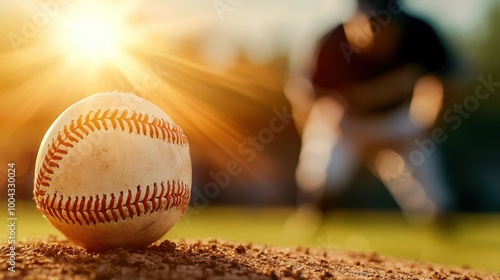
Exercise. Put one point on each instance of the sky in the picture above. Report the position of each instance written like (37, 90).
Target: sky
(263, 28)
(461, 16)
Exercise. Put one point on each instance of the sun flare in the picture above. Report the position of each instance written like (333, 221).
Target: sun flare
(95, 46)
(92, 35)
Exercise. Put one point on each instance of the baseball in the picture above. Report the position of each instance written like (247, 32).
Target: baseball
(113, 170)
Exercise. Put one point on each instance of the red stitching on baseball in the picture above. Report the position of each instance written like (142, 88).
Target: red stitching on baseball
(91, 122)
(174, 195)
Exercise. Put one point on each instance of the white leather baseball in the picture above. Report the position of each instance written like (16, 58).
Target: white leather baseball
(113, 170)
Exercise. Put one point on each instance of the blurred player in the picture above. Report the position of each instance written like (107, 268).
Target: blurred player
(371, 94)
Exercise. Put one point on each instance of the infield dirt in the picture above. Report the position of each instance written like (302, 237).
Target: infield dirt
(216, 259)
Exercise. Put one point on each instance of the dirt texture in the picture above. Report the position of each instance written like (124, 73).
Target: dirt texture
(215, 259)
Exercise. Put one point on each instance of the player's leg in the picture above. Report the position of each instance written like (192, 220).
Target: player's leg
(414, 179)
(429, 173)
(325, 168)
(392, 169)
(327, 158)
(345, 158)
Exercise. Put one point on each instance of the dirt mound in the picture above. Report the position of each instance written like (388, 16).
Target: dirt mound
(215, 259)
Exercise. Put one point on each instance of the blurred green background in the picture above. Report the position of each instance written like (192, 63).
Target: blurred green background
(219, 71)
(472, 243)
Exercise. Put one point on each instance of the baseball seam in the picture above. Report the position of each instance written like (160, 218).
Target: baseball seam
(109, 208)
(96, 121)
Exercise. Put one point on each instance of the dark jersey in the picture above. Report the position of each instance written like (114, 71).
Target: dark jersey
(338, 66)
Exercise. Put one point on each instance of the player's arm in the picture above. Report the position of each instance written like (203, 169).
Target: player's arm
(300, 93)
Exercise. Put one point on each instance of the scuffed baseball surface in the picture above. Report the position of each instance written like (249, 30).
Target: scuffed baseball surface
(217, 259)
(113, 170)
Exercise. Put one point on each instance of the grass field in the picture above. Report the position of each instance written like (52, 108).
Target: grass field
(473, 240)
